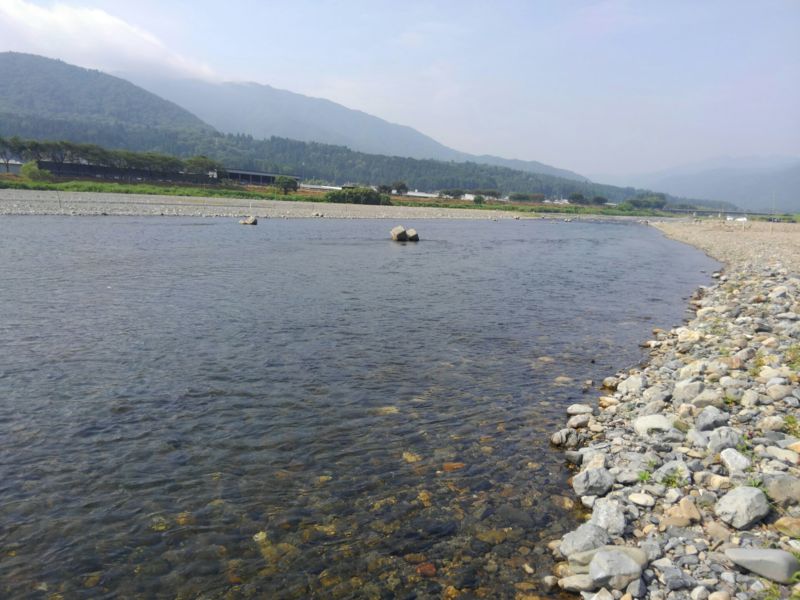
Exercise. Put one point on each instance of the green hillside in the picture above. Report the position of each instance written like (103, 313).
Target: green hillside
(51, 89)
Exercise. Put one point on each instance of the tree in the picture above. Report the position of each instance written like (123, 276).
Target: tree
(201, 165)
(400, 187)
(385, 189)
(479, 199)
(577, 198)
(599, 200)
(286, 184)
(357, 196)
(5, 153)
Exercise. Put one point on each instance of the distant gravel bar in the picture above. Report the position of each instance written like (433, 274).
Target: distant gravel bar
(33, 202)
(36, 202)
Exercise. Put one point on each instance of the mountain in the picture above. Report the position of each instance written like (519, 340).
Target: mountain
(263, 111)
(758, 183)
(51, 89)
(45, 99)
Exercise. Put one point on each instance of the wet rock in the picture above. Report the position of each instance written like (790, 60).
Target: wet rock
(579, 421)
(579, 409)
(742, 507)
(249, 221)
(777, 565)
(412, 235)
(577, 583)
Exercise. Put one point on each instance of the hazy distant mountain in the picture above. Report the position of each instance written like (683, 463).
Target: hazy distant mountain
(758, 183)
(263, 111)
(44, 88)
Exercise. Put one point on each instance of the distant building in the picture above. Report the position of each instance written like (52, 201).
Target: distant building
(418, 194)
(255, 177)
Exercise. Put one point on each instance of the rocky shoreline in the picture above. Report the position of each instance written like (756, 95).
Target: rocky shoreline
(689, 465)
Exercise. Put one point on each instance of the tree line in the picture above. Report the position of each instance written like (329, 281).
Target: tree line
(65, 152)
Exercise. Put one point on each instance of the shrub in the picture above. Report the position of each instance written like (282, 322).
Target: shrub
(357, 196)
(30, 170)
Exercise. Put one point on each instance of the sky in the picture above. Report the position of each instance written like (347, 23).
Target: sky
(611, 87)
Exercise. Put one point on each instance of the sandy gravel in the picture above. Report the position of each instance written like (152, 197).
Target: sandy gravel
(740, 244)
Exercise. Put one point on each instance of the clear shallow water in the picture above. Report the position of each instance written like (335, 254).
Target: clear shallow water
(171, 388)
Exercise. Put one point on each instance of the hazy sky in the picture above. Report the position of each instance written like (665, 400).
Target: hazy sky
(605, 86)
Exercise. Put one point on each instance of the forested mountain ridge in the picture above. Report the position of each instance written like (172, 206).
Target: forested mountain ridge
(120, 115)
(51, 89)
(264, 111)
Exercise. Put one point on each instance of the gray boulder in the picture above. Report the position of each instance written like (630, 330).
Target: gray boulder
(735, 461)
(742, 507)
(777, 565)
(784, 490)
(592, 482)
(399, 234)
(249, 221)
(609, 515)
(675, 470)
(634, 384)
(723, 437)
(412, 235)
(710, 418)
(614, 569)
(685, 391)
(585, 537)
(644, 425)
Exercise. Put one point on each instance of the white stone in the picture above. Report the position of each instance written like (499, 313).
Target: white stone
(642, 499)
(735, 461)
(643, 425)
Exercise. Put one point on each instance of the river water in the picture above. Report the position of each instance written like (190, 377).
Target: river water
(194, 409)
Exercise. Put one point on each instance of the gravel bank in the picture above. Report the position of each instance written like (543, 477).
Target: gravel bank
(30, 202)
(690, 465)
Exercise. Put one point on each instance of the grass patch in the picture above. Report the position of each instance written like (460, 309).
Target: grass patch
(792, 425)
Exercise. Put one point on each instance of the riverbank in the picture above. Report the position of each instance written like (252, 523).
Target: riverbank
(49, 202)
(689, 464)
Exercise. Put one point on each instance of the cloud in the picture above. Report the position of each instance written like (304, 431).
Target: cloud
(90, 37)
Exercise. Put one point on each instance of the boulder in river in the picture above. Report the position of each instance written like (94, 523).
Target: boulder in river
(412, 234)
(399, 234)
(249, 221)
